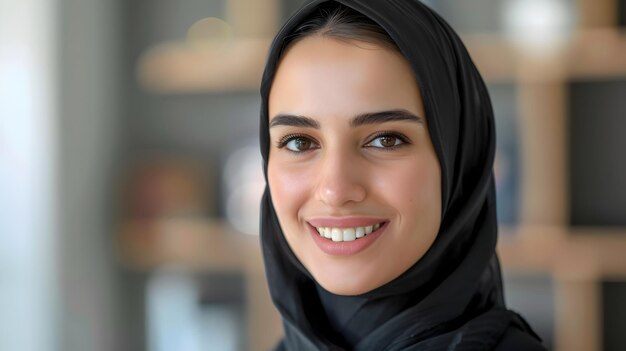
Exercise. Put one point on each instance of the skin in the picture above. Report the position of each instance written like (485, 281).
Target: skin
(340, 170)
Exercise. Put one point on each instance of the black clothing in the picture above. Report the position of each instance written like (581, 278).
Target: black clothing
(452, 297)
(513, 339)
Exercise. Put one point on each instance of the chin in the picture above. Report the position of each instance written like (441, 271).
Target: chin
(340, 288)
(347, 285)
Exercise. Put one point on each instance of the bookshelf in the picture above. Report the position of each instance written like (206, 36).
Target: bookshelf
(578, 259)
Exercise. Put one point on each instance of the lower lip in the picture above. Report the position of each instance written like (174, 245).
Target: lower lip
(345, 248)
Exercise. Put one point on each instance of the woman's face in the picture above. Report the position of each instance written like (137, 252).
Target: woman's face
(352, 171)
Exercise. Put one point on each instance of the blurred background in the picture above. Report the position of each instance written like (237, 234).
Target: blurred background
(130, 176)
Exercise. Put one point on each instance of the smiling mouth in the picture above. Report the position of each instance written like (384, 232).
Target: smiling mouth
(347, 234)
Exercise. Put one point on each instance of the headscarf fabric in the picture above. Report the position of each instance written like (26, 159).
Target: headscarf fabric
(452, 298)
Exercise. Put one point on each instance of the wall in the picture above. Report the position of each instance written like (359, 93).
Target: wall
(88, 136)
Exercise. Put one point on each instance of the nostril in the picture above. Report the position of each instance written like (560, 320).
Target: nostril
(339, 181)
(340, 194)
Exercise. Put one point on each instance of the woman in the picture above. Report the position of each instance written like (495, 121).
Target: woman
(379, 223)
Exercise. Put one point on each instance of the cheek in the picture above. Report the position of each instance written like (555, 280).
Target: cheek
(289, 188)
(412, 187)
(426, 194)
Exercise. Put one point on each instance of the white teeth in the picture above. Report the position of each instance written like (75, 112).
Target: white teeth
(360, 232)
(349, 234)
(336, 234)
(346, 234)
(327, 234)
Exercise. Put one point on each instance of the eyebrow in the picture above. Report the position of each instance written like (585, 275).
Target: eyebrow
(359, 120)
(294, 121)
(385, 116)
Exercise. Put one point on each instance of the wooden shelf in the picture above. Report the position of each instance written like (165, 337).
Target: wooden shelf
(200, 244)
(588, 254)
(592, 53)
(235, 65)
(213, 66)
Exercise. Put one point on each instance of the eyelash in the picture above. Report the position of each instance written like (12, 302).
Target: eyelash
(403, 138)
(282, 143)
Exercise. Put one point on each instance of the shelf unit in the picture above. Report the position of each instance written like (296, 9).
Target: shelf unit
(576, 258)
(208, 246)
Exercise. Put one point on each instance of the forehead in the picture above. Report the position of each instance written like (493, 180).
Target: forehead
(320, 76)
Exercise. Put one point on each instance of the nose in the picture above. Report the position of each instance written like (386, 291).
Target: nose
(341, 179)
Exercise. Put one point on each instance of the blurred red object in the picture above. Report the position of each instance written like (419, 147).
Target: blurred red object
(166, 188)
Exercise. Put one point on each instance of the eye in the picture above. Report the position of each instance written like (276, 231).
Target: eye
(387, 141)
(297, 143)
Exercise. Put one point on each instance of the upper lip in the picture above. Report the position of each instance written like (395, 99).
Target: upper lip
(344, 222)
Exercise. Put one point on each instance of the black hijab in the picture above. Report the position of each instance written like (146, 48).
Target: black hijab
(451, 298)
